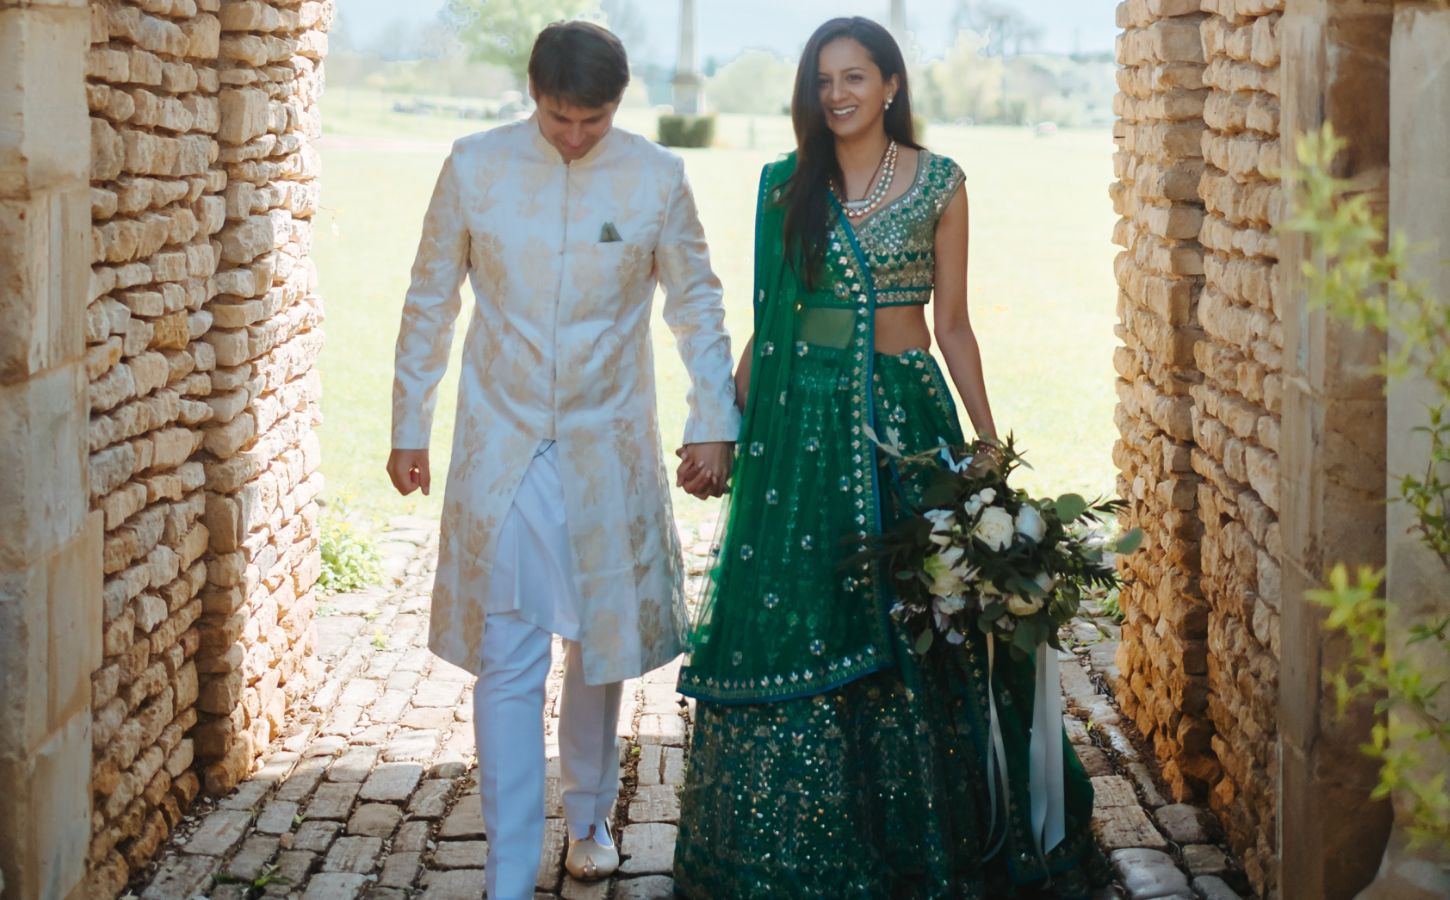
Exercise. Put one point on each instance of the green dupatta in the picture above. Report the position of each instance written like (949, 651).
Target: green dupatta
(778, 622)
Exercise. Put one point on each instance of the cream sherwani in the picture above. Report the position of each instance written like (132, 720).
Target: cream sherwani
(558, 347)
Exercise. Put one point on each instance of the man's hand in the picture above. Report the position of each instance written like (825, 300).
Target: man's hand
(409, 470)
(705, 468)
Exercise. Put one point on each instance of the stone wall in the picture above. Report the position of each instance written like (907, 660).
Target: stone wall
(1163, 658)
(50, 541)
(1236, 417)
(1200, 400)
(201, 338)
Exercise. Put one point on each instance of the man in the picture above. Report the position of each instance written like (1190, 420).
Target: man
(556, 515)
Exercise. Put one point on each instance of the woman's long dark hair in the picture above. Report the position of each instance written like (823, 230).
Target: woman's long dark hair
(807, 198)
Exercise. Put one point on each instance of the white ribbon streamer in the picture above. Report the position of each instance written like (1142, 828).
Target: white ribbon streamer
(1046, 782)
(996, 757)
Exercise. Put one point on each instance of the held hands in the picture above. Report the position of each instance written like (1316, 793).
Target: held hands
(705, 468)
(409, 470)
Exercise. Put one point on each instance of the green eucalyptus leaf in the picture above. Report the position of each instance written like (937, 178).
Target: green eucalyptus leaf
(1070, 507)
(1129, 542)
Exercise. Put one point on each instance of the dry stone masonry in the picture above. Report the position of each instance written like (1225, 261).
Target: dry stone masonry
(1236, 417)
(201, 340)
(1163, 658)
(1200, 388)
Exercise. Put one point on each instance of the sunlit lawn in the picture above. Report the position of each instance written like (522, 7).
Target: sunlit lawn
(1042, 289)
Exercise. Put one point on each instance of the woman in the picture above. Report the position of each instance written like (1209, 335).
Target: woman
(827, 760)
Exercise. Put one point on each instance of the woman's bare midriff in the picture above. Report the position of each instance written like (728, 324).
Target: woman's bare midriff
(902, 328)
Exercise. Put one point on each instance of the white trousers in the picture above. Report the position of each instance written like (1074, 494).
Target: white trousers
(509, 725)
(508, 699)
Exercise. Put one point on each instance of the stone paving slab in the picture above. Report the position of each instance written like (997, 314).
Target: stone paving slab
(372, 793)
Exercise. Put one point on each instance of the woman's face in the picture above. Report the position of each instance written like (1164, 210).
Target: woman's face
(853, 93)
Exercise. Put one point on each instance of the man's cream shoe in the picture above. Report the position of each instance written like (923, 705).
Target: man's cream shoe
(590, 859)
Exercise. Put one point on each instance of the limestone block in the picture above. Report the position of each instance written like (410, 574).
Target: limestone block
(312, 45)
(108, 151)
(1228, 75)
(1263, 114)
(246, 240)
(150, 154)
(149, 371)
(247, 49)
(171, 332)
(1177, 222)
(183, 225)
(195, 153)
(1166, 141)
(42, 272)
(144, 67)
(43, 420)
(203, 37)
(150, 33)
(122, 503)
(250, 15)
(43, 142)
(45, 812)
(1263, 468)
(108, 65)
(181, 78)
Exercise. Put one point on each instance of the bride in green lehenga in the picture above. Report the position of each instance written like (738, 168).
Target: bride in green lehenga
(827, 759)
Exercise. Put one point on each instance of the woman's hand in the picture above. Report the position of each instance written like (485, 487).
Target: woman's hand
(705, 468)
(409, 470)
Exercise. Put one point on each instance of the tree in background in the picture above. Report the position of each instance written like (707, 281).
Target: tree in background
(964, 85)
(502, 32)
(756, 81)
(1001, 24)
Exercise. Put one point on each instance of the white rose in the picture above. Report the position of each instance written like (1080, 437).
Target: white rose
(1030, 524)
(941, 519)
(940, 567)
(949, 606)
(995, 529)
(987, 495)
(1023, 606)
(942, 523)
(1046, 582)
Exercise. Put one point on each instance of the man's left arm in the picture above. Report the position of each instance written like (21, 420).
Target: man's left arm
(695, 312)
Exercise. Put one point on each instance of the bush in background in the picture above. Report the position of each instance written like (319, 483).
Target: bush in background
(687, 131)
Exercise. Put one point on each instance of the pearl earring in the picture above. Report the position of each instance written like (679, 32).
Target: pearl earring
(888, 102)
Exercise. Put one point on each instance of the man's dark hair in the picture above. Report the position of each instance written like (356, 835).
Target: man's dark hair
(579, 63)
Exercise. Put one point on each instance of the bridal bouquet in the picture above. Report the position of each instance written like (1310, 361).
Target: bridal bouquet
(982, 554)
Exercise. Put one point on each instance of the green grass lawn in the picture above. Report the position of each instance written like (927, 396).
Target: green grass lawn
(1042, 289)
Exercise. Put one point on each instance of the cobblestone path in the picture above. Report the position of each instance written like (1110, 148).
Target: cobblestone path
(373, 794)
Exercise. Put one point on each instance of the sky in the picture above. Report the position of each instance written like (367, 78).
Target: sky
(727, 27)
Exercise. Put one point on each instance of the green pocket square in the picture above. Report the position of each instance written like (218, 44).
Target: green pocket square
(609, 234)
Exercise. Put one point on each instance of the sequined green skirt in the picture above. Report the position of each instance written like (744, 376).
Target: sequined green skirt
(878, 787)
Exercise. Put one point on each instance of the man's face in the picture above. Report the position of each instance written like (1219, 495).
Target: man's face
(573, 130)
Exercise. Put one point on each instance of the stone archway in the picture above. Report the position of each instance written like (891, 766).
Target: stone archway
(158, 473)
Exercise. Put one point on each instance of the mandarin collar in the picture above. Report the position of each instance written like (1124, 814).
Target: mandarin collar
(552, 154)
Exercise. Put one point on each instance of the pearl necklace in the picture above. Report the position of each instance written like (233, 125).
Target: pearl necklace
(855, 209)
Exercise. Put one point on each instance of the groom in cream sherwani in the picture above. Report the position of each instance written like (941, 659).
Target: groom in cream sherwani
(556, 515)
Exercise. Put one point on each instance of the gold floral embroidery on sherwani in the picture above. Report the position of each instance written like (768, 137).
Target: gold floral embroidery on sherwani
(558, 347)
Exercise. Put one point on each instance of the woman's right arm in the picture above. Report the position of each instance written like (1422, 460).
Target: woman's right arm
(742, 374)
